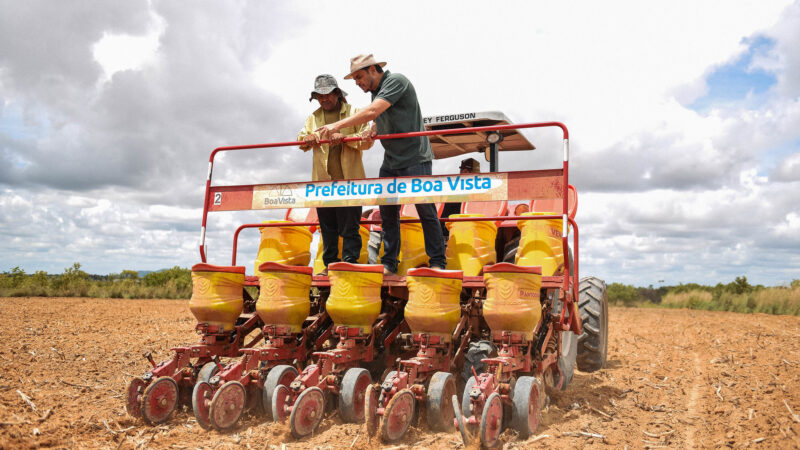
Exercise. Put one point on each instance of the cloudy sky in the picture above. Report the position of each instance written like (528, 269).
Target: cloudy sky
(684, 120)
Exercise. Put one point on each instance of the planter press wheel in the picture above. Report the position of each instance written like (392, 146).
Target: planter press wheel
(398, 415)
(278, 406)
(202, 394)
(351, 395)
(307, 412)
(491, 421)
(159, 400)
(280, 375)
(227, 405)
(466, 436)
(207, 372)
(441, 390)
(525, 404)
(465, 399)
(371, 409)
(135, 390)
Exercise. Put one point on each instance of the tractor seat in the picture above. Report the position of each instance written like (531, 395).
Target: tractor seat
(554, 205)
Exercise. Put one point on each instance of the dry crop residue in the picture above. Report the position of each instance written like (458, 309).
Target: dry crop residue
(675, 379)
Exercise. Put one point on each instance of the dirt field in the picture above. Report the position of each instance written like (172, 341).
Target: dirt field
(676, 379)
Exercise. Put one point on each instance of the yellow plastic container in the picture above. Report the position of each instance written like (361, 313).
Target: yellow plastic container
(319, 265)
(284, 245)
(540, 244)
(355, 299)
(284, 295)
(217, 294)
(512, 298)
(471, 245)
(433, 301)
(412, 247)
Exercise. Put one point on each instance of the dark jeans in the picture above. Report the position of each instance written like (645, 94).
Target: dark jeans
(340, 221)
(431, 227)
(448, 210)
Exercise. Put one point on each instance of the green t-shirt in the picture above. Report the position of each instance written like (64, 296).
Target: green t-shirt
(402, 117)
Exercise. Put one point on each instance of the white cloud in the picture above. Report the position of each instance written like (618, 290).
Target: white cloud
(117, 52)
(107, 122)
(789, 168)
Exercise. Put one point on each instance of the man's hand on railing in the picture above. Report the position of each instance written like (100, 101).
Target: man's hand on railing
(336, 138)
(309, 141)
(369, 134)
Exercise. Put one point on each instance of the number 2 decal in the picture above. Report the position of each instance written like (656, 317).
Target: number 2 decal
(217, 198)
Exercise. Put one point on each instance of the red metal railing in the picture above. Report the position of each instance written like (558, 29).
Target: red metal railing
(377, 138)
(566, 221)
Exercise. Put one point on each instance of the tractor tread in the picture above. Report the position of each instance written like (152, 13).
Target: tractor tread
(593, 340)
(591, 329)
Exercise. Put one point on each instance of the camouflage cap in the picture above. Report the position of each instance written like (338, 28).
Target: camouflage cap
(325, 84)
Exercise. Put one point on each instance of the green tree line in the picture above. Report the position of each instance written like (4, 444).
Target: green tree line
(74, 282)
(736, 296)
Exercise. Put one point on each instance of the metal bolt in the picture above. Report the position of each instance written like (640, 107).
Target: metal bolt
(313, 413)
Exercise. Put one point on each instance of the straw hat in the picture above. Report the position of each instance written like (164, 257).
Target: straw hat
(361, 61)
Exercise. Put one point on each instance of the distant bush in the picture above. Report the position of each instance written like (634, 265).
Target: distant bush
(74, 282)
(694, 299)
(622, 294)
(736, 296)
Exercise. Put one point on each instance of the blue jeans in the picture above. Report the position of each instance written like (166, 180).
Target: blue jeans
(431, 227)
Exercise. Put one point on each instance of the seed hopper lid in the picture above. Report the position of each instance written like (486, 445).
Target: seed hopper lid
(465, 143)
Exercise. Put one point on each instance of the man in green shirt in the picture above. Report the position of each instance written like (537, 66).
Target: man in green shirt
(395, 109)
(335, 161)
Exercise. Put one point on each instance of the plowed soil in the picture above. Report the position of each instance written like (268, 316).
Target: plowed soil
(674, 379)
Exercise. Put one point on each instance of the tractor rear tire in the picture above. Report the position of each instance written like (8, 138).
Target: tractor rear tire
(593, 341)
(476, 352)
(510, 249)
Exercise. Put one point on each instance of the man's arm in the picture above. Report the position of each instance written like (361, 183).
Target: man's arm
(307, 135)
(367, 114)
(359, 131)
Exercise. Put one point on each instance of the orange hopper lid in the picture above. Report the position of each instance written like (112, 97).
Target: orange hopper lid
(428, 272)
(278, 267)
(203, 267)
(513, 268)
(349, 267)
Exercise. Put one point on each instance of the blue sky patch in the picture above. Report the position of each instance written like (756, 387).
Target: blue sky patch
(736, 83)
(772, 158)
(13, 125)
